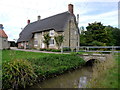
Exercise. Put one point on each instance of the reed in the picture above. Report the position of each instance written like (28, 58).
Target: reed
(17, 74)
(105, 74)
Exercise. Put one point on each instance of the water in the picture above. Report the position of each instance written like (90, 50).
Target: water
(73, 79)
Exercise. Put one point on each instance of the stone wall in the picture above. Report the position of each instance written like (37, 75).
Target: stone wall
(71, 35)
(4, 43)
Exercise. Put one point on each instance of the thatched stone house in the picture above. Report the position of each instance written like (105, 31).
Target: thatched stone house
(60, 24)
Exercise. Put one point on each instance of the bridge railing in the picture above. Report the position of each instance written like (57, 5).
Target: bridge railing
(104, 49)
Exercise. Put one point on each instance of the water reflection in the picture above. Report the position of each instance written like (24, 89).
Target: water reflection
(82, 82)
(74, 79)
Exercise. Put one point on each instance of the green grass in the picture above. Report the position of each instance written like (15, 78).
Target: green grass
(8, 55)
(111, 77)
(107, 76)
(29, 66)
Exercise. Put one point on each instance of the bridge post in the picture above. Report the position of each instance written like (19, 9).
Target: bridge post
(77, 48)
(112, 50)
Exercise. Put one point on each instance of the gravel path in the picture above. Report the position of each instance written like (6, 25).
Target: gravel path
(14, 48)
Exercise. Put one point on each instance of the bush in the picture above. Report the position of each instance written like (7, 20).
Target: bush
(66, 49)
(56, 50)
(52, 50)
(17, 73)
(42, 49)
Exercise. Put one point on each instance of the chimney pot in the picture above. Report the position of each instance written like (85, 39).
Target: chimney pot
(70, 8)
(28, 21)
(77, 18)
(39, 17)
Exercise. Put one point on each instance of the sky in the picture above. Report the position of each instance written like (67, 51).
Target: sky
(15, 13)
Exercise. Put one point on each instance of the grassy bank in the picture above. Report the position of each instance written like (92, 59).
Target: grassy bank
(8, 55)
(106, 73)
(21, 69)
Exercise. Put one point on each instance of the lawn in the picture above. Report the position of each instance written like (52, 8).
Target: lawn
(21, 69)
(8, 55)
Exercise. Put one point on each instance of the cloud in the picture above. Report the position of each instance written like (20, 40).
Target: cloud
(109, 18)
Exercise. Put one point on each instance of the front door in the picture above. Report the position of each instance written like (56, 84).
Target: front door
(43, 45)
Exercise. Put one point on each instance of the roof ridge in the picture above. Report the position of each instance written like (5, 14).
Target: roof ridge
(55, 15)
(49, 17)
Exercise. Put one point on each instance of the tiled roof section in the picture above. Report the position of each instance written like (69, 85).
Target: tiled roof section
(56, 22)
(3, 34)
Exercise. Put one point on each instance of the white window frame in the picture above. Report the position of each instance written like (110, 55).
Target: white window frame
(35, 35)
(35, 43)
(52, 43)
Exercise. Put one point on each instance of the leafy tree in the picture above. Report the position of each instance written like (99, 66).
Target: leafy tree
(109, 32)
(82, 38)
(116, 36)
(59, 40)
(95, 32)
(99, 35)
(47, 39)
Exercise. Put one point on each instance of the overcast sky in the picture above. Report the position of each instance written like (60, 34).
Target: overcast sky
(15, 13)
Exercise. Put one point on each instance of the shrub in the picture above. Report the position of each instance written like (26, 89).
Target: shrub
(56, 50)
(66, 49)
(42, 49)
(17, 73)
(52, 50)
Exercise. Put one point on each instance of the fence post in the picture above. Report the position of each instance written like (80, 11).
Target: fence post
(76, 48)
(112, 50)
(62, 49)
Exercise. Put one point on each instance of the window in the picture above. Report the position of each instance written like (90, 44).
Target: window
(52, 33)
(51, 41)
(35, 43)
(21, 44)
(75, 33)
(35, 35)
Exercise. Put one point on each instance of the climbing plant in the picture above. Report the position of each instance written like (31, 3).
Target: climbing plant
(46, 39)
(59, 40)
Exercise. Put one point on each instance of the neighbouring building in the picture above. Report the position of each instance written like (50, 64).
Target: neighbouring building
(3, 39)
(60, 24)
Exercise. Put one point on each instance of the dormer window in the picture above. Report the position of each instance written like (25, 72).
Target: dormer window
(52, 33)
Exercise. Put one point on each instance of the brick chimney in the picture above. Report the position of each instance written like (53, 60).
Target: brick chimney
(28, 21)
(1, 26)
(70, 8)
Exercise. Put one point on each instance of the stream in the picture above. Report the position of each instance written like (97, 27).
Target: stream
(73, 79)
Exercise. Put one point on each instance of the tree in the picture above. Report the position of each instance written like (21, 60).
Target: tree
(97, 35)
(108, 31)
(116, 36)
(47, 39)
(59, 40)
(82, 37)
